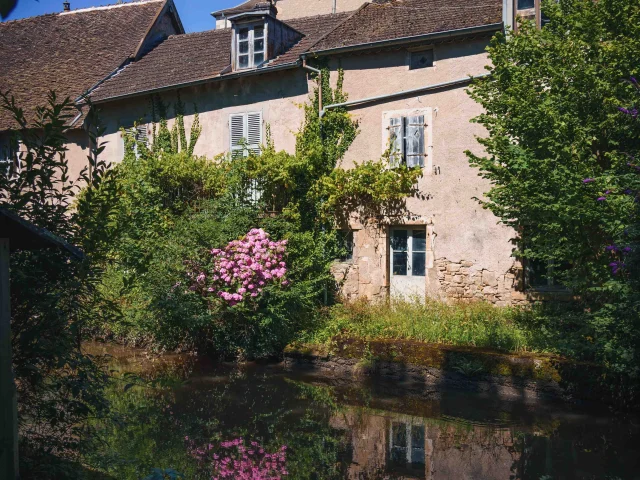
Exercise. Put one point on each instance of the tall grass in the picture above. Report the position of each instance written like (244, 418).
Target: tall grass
(474, 324)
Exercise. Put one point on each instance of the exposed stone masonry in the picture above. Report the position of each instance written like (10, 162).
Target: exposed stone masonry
(467, 282)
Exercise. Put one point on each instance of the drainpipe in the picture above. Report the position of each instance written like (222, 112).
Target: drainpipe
(437, 86)
(335, 6)
(319, 73)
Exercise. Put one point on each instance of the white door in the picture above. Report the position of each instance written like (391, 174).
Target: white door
(408, 252)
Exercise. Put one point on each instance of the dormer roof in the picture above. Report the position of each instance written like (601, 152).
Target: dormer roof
(248, 6)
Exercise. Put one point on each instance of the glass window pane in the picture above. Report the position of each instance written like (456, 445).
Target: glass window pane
(419, 241)
(418, 264)
(258, 45)
(525, 4)
(258, 32)
(400, 263)
(399, 435)
(244, 33)
(399, 240)
(243, 61)
(258, 58)
(243, 47)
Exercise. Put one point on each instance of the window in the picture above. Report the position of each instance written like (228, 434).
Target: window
(140, 134)
(9, 159)
(407, 445)
(406, 138)
(541, 275)
(421, 59)
(525, 4)
(345, 240)
(408, 252)
(245, 133)
(250, 46)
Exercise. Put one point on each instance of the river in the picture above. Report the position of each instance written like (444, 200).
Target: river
(185, 415)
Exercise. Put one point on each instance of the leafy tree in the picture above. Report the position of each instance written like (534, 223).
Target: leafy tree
(557, 156)
(51, 297)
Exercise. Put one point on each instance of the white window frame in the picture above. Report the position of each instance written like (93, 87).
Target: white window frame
(253, 146)
(251, 43)
(410, 250)
(10, 161)
(409, 447)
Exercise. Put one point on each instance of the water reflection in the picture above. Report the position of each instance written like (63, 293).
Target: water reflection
(333, 429)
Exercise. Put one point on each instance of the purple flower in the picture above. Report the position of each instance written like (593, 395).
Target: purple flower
(588, 180)
(602, 199)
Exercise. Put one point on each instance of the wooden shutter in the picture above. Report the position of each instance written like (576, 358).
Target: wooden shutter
(142, 134)
(396, 140)
(414, 139)
(254, 131)
(237, 135)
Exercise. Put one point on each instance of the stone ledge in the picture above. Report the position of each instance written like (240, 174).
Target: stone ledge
(426, 366)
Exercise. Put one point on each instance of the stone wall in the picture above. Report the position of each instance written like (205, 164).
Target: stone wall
(464, 281)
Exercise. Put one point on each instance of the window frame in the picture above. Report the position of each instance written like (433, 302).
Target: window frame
(10, 164)
(410, 250)
(347, 238)
(407, 122)
(418, 51)
(250, 40)
(246, 147)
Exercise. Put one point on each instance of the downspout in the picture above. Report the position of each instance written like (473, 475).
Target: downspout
(436, 86)
(319, 73)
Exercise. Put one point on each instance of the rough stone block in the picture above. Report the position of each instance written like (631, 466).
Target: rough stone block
(465, 263)
(453, 267)
(489, 278)
(457, 279)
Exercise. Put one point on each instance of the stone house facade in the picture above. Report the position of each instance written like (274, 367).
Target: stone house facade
(406, 65)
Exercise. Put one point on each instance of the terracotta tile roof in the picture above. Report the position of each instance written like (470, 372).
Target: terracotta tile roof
(387, 20)
(313, 28)
(184, 59)
(179, 59)
(68, 52)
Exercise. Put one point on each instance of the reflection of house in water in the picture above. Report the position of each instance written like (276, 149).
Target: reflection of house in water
(392, 446)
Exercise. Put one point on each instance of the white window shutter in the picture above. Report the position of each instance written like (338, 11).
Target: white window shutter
(396, 140)
(414, 140)
(237, 135)
(254, 131)
(142, 134)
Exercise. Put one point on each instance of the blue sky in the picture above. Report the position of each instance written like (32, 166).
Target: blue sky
(194, 13)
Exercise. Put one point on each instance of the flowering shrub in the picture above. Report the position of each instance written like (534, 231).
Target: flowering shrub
(242, 269)
(237, 461)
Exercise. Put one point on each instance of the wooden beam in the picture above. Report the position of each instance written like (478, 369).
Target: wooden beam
(8, 400)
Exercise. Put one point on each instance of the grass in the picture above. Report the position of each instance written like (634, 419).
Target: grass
(475, 324)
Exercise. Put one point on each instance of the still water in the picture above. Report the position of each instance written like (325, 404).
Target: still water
(202, 420)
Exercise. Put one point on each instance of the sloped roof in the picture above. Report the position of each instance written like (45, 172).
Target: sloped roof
(69, 52)
(242, 8)
(195, 57)
(381, 21)
(200, 57)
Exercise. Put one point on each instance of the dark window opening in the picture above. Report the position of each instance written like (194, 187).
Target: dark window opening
(542, 274)
(526, 4)
(345, 242)
(422, 59)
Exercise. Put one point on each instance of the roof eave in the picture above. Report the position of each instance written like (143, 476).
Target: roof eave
(492, 27)
(219, 77)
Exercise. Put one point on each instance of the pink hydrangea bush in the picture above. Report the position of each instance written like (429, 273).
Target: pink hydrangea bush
(233, 459)
(241, 270)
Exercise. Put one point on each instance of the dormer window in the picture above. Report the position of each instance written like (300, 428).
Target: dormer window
(251, 46)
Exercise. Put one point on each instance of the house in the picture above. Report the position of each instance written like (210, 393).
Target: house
(71, 53)
(406, 65)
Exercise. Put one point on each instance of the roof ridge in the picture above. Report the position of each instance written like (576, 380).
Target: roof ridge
(110, 6)
(319, 15)
(218, 31)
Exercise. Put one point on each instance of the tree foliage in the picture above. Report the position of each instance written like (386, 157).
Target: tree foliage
(557, 156)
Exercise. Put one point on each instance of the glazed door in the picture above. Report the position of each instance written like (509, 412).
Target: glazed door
(407, 253)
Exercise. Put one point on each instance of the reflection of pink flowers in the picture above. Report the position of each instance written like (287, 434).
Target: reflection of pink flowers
(237, 460)
(241, 267)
